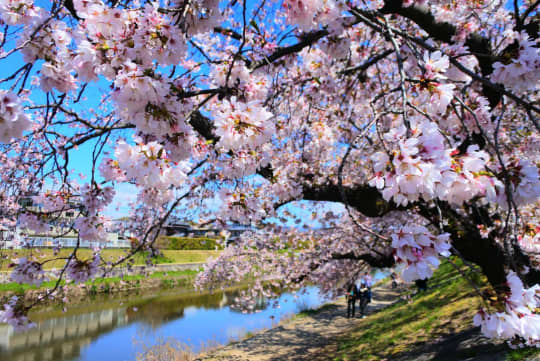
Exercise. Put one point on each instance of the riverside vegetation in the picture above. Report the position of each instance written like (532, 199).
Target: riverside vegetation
(144, 281)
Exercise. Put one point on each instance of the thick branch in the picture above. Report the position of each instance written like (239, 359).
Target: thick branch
(443, 31)
(466, 238)
(367, 200)
(379, 261)
(204, 126)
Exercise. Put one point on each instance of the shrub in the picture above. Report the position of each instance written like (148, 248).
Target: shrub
(188, 243)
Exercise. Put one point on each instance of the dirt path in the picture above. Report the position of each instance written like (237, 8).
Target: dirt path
(311, 337)
(315, 338)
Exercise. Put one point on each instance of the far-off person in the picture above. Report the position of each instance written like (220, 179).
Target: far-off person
(352, 292)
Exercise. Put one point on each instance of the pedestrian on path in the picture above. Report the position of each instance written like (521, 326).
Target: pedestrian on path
(367, 281)
(352, 294)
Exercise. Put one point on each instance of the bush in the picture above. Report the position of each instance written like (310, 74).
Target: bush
(188, 243)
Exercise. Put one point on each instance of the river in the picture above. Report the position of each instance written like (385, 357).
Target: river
(117, 327)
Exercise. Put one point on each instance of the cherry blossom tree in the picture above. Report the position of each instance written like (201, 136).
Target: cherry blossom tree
(420, 119)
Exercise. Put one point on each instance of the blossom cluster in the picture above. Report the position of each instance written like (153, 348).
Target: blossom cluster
(96, 198)
(423, 166)
(530, 243)
(28, 271)
(91, 227)
(13, 120)
(80, 271)
(306, 14)
(302, 12)
(519, 321)
(14, 314)
(418, 249)
(15, 12)
(149, 167)
(433, 92)
(144, 99)
(33, 222)
(524, 182)
(520, 73)
(242, 125)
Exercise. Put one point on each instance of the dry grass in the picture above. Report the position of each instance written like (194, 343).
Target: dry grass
(173, 350)
(167, 351)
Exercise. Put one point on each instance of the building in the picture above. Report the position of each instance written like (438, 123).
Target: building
(59, 233)
(232, 232)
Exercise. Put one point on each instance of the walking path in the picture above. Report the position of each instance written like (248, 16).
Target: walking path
(315, 337)
(311, 337)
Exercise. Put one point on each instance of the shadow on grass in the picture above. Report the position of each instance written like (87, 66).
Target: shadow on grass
(440, 317)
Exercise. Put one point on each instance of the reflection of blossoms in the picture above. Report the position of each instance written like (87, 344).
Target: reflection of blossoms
(28, 271)
(14, 314)
(81, 271)
(520, 320)
(419, 250)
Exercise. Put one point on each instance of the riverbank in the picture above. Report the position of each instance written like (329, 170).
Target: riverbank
(55, 261)
(435, 325)
(181, 276)
(174, 268)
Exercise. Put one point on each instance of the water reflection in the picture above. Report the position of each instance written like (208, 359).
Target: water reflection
(104, 329)
(59, 338)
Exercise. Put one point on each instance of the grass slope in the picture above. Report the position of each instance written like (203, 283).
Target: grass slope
(168, 279)
(447, 308)
(43, 254)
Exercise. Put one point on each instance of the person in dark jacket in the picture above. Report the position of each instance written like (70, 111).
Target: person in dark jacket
(352, 293)
(364, 297)
(421, 285)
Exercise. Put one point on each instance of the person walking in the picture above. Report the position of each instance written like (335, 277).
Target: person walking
(421, 285)
(363, 298)
(394, 279)
(367, 282)
(352, 293)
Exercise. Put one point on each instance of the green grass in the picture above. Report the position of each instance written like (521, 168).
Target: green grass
(522, 354)
(110, 255)
(169, 279)
(446, 308)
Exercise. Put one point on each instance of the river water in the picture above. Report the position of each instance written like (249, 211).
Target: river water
(117, 327)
